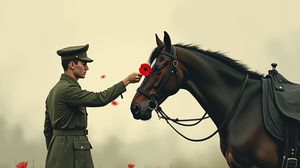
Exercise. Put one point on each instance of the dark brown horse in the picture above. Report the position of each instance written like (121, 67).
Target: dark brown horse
(229, 93)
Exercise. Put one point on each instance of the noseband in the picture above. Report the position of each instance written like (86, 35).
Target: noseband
(152, 104)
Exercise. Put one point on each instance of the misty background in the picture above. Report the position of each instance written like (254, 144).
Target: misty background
(121, 37)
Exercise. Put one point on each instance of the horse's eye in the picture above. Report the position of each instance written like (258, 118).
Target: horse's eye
(157, 69)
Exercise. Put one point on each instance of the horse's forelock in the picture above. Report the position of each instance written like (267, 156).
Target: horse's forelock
(155, 53)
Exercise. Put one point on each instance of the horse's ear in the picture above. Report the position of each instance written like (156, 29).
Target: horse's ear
(167, 41)
(158, 41)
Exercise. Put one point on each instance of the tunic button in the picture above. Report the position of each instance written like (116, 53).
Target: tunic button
(81, 147)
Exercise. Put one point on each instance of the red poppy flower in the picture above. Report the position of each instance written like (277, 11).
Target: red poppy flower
(22, 165)
(114, 103)
(131, 165)
(102, 76)
(145, 69)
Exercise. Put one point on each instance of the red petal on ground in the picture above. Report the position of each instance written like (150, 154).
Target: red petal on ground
(131, 165)
(22, 165)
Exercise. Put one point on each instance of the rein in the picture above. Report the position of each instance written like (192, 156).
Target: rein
(163, 115)
(152, 104)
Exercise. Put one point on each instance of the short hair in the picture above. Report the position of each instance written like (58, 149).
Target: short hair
(65, 63)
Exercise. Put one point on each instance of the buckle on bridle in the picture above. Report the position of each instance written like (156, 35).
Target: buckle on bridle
(175, 63)
(291, 162)
(152, 104)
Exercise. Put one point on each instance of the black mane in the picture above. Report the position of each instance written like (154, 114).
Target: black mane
(216, 55)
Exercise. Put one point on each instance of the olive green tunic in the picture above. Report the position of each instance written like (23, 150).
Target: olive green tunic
(65, 110)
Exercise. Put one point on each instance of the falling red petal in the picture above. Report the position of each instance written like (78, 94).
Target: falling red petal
(114, 103)
(103, 76)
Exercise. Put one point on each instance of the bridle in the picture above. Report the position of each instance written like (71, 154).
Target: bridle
(152, 104)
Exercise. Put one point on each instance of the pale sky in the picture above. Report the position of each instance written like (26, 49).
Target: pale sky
(121, 37)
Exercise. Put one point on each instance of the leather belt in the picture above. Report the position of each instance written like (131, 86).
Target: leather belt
(70, 132)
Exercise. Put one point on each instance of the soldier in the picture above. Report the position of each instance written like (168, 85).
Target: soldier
(66, 117)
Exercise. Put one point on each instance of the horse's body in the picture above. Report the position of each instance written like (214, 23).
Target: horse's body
(215, 81)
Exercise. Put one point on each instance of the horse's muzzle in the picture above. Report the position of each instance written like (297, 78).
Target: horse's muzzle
(136, 110)
(140, 112)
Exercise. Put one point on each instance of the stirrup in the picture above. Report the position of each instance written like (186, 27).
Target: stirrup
(291, 162)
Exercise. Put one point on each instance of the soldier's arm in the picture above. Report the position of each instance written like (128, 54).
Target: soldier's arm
(76, 96)
(48, 131)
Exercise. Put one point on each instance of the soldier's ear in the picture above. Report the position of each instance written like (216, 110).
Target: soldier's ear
(71, 65)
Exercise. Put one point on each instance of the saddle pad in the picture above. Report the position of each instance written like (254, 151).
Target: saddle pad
(273, 119)
(287, 97)
(280, 99)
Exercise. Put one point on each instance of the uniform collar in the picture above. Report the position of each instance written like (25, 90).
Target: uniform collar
(68, 78)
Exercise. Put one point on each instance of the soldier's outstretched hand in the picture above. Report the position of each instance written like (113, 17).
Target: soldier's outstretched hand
(132, 78)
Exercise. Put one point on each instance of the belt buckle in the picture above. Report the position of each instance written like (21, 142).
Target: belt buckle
(291, 162)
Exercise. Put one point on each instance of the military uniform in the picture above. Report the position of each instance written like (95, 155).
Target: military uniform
(66, 117)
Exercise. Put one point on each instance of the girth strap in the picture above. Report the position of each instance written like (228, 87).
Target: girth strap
(292, 146)
(70, 132)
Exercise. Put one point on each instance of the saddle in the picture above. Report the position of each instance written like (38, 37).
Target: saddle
(281, 114)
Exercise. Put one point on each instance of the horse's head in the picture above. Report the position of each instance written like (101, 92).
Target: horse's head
(164, 80)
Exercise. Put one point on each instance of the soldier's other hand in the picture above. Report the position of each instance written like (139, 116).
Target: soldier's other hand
(132, 78)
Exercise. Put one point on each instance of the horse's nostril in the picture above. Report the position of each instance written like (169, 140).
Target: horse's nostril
(135, 109)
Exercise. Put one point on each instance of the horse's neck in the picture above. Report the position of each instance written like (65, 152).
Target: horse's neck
(214, 85)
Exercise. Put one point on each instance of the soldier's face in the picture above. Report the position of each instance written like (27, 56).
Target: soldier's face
(80, 69)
